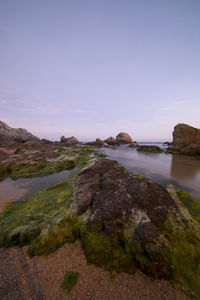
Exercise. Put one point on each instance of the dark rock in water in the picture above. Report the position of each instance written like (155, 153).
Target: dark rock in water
(147, 148)
(133, 145)
(167, 143)
(111, 141)
(186, 139)
(17, 134)
(124, 138)
(97, 143)
(69, 141)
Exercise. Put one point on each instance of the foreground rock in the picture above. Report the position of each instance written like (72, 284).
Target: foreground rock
(124, 138)
(186, 139)
(17, 134)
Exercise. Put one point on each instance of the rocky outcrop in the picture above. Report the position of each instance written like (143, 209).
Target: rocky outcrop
(111, 141)
(16, 134)
(69, 141)
(124, 222)
(124, 138)
(186, 139)
(136, 216)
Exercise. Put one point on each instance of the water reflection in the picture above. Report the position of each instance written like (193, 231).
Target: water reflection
(180, 170)
(184, 167)
(26, 187)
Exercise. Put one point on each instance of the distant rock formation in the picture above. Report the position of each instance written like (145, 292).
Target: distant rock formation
(111, 141)
(97, 143)
(124, 138)
(186, 139)
(11, 136)
(69, 141)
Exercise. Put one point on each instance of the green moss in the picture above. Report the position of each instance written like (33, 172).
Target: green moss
(138, 175)
(106, 251)
(192, 206)
(183, 252)
(70, 280)
(65, 228)
(153, 150)
(5, 171)
(40, 169)
(23, 220)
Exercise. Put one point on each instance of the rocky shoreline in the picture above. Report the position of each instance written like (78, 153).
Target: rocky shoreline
(125, 222)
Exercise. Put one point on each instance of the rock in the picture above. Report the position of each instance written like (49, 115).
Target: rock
(124, 138)
(111, 141)
(96, 143)
(147, 148)
(69, 141)
(46, 142)
(186, 139)
(120, 202)
(17, 134)
(134, 222)
(133, 145)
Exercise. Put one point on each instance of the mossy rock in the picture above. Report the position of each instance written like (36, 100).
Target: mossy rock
(70, 280)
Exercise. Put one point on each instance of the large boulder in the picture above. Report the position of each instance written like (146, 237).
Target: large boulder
(69, 141)
(186, 139)
(16, 134)
(124, 138)
(130, 221)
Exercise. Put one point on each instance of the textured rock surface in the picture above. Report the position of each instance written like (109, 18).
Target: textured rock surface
(119, 201)
(132, 221)
(111, 141)
(69, 141)
(18, 134)
(124, 138)
(186, 139)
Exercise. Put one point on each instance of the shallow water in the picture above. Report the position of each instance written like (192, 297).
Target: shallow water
(180, 170)
(26, 187)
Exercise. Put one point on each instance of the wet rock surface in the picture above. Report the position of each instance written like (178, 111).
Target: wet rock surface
(186, 139)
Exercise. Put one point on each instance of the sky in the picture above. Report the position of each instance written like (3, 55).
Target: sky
(94, 68)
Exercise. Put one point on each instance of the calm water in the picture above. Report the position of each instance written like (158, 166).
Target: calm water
(180, 170)
(25, 187)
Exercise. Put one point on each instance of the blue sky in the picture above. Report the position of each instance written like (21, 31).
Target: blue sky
(95, 68)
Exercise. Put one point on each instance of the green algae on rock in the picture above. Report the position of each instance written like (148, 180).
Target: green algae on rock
(70, 280)
(148, 148)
